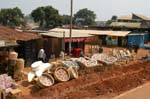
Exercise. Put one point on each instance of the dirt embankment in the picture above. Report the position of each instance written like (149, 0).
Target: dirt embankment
(96, 81)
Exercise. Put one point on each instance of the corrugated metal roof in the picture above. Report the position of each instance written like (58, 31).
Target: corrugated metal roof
(125, 17)
(119, 33)
(8, 33)
(130, 17)
(126, 24)
(57, 32)
(60, 34)
(142, 17)
(112, 33)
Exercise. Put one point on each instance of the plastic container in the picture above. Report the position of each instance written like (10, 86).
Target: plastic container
(42, 68)
(35, 66)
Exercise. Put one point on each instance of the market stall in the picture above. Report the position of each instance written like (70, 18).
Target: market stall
(58, 39)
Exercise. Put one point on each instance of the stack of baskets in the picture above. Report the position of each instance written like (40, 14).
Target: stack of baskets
(15, 66)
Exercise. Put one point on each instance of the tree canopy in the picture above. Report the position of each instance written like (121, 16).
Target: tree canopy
(65, 19)
(114, 18)
(47, 17)
(11, 17)
(85, 17)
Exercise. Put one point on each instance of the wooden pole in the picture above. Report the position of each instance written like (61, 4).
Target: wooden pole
(71, 10)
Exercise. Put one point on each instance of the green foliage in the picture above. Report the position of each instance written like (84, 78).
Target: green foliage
(114, 18)
(65, 19)
(11, 17)
(108, 22)
(47, 17)
(85, 17)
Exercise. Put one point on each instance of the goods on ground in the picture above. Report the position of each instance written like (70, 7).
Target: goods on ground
(70, 64)
(6, 82)
(61, 74)
(42, 68)
(104, 58)
(19, 64)
(46, 80)
(38, 68)
(87, 63)
(35, 65)
(31, 75)
(73, 72)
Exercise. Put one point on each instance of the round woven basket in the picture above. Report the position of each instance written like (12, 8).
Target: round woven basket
(61, 74)
(41, 84)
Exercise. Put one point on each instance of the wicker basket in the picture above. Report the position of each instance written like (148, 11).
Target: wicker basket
(58, 78)
(19, 64)
(40, 84)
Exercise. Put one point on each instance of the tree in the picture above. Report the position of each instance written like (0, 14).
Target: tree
(11, 17)
(114, 18)
(108, 23)
(65, 19)
(47, 17)
(85, 17)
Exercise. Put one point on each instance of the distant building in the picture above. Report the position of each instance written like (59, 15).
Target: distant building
(101, 23)
(132, 21)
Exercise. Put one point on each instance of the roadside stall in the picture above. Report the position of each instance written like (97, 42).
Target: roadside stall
(57, 40)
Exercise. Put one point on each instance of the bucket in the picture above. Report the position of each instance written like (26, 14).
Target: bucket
(46, 80)
(61, 74)
(73, 72)
(35, 66)
(13, 55)
(42, 68)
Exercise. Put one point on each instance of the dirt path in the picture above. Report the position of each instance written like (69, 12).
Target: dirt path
(141, 92)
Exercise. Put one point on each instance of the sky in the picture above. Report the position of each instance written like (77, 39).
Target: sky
(104, 9)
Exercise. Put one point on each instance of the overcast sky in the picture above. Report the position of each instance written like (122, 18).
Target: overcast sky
(104, 9)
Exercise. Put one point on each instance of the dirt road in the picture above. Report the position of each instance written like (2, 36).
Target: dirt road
(141, 92)
(95, 82)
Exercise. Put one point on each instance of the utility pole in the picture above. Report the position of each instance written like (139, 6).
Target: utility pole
(71, 11)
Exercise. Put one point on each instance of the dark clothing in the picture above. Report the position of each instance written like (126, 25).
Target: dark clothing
(100, 50)
(41, 59)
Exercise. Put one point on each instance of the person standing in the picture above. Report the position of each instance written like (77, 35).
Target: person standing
(41, 55)
(100, 50)
(62, 54)
(81, 53)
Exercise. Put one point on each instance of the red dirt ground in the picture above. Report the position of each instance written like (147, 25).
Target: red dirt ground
(96, 82)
